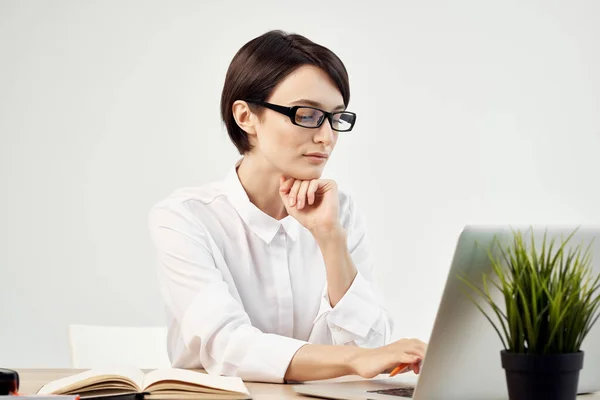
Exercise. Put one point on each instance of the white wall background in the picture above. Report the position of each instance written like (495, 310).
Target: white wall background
(469, 112)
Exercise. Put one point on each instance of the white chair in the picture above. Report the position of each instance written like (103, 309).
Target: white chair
(101, 346)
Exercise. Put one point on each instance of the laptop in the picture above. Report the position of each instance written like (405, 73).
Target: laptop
(463, 353)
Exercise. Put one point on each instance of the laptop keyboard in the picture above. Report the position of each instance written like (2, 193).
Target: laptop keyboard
(402, 392)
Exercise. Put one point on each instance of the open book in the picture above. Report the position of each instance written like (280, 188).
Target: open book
(168, 383)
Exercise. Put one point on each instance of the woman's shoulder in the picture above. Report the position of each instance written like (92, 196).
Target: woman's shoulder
(345, 200)
(349, 212)
(191, 204)
(204, 194)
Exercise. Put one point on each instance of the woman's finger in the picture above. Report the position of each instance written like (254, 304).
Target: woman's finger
(302, 194)
(421, 347)
(312, 188)
(408, 358)
(294, 193)
(285, 184)
(417, 367)
(417, 344)
(415, 352)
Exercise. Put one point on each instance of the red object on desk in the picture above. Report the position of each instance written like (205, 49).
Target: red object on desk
(9, 382)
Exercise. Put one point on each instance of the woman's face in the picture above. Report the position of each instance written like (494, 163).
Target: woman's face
(293, 150)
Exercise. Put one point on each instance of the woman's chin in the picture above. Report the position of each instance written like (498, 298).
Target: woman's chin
(306, 173)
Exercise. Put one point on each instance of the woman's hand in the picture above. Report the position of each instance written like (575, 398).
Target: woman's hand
(315, 203)
(372, 362)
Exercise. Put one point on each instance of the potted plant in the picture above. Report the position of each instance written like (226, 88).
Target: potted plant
(549, 303)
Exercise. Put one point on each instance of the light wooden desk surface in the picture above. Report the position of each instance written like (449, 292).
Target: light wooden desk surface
(33, 379)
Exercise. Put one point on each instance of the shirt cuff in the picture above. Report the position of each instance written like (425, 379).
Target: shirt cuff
(355, 315)
(269, 357)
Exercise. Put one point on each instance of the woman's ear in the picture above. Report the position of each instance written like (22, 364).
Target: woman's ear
(244, 117)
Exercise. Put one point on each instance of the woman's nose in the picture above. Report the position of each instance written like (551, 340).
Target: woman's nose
(325, 134)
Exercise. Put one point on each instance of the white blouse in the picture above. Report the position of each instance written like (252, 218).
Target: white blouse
(244, 291)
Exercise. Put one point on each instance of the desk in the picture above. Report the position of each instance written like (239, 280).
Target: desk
(33, 379)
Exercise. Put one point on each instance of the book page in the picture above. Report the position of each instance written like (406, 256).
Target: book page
(130, 376)
(197, 396)
(198, 379)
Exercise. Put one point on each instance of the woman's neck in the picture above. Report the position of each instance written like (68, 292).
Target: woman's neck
(261, 182)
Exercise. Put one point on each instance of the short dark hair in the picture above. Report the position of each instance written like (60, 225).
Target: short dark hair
(265, 61)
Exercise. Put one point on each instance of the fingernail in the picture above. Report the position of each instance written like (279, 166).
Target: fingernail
(291, 201)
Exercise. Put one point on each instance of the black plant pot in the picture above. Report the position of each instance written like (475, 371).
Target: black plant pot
(547, 377)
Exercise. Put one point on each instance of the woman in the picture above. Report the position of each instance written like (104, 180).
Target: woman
(266, 274)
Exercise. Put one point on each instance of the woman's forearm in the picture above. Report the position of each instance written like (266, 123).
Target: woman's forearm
(316, 362)
(338, 263)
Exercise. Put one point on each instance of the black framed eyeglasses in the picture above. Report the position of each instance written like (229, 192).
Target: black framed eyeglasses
(312, 117)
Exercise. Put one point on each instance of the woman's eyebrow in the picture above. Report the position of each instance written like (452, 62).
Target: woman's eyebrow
(313, 103)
